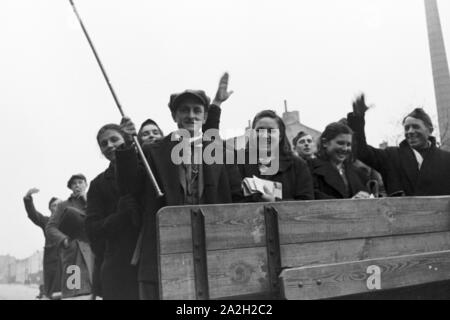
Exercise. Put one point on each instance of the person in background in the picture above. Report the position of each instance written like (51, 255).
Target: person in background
(66, 230)
(335, 176)
(149, 132)
(304, 146)
(112, 221)
(417, 167)
(51, 266)
(293, 172)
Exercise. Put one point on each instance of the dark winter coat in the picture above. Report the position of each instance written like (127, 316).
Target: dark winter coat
(222, 184)
(51, 263)
(115, 234)
(293, 173)
(398, 165)
(328, 183)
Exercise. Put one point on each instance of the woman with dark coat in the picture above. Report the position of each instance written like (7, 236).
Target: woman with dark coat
(335, 176)
(292, 173)
(111, 224)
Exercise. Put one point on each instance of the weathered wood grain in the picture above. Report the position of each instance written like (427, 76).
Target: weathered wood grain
(226, 227)
(335, 220)
(244, 271)
(242, 225)
(230, 272)
(341, 279)
(307, 254)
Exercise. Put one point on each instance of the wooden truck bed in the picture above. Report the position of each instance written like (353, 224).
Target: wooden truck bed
(304, 249)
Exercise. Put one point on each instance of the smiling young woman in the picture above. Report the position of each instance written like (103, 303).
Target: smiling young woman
(111, 225)
(334, 174)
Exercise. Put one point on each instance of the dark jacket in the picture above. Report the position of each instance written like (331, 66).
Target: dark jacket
(213, 120)
(78, 253)
(222, 184)
(51, 265)
(293, 173)
(112, 235)
(398, 165)
(328, 183)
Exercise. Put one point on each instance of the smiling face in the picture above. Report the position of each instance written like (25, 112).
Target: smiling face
(190, 115)
(416, 133)
(149, 133)
(339, 148)
(268, 134)
(305, 146)
(108, 142)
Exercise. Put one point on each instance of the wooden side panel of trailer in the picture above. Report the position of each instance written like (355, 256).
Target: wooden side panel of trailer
(241, 255)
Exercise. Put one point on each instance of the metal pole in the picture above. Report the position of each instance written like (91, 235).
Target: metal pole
(116, 100)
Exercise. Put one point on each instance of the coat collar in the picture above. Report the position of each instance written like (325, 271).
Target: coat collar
(168, 173)
(330, 175)
(285, 162)
(408, 160)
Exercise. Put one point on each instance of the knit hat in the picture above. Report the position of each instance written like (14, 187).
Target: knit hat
(420, 114)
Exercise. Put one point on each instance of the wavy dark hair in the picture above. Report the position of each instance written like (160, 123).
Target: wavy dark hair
(285, 147)
(112, 126)
(332, 131)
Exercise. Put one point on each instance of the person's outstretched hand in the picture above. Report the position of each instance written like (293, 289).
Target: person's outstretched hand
(359, 105)
(31, 192)
(222, 94)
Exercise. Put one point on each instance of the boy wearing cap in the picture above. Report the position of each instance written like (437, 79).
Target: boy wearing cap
(417, 167)
(65, 229)
(186, 183)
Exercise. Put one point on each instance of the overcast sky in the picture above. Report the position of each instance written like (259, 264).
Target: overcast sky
(316, 54)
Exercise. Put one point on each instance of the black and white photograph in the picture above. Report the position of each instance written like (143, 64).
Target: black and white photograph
(241, 151)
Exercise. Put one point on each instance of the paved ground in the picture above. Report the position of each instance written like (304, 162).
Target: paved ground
(18, 292)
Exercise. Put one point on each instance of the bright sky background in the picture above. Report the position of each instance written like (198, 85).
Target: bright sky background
(316, 54)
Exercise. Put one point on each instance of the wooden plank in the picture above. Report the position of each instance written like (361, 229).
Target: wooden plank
(341, 279)
(230, 272)
(227, 226)
(335, 220)
(308, 254)
(244, 271)
(242, 225)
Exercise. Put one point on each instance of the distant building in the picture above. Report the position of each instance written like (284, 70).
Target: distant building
(293, 126)
(5, 262)
(25, 271)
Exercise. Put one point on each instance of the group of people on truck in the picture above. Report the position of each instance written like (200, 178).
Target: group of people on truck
(110, 231)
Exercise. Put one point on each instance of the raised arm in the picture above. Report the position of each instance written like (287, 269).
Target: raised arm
(373, 157)
(35, 216)
(222, 95)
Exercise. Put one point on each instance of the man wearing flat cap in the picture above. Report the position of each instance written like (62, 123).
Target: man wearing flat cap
(188, 182)
(65, 229)
(417, 167)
